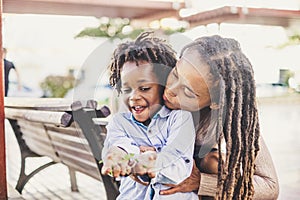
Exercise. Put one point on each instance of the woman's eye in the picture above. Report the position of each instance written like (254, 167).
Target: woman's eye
(174, 74)
(189, 93)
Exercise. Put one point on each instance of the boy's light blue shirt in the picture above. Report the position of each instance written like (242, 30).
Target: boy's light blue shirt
(172, 134)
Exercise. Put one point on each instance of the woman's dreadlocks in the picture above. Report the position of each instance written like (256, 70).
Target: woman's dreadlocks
(145, 48)
(237, 119)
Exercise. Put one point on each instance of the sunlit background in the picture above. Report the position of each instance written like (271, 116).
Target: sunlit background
(42, 45)
(45, 45)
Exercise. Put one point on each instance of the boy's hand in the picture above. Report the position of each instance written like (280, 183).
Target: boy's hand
(145, 164)
(115, 163)
(143, 149)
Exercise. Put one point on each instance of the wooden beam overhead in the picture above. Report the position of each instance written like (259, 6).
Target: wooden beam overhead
(245, 15)
(133, 9)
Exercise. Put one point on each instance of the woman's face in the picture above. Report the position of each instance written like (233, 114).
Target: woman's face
(187, 85)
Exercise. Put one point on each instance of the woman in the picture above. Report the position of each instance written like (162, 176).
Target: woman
(214, 80)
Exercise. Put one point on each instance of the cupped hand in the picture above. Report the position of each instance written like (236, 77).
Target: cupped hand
(190, 184)
(145, 164)
(115, 164)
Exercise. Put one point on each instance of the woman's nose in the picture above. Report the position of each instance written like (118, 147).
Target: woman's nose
(172, 91)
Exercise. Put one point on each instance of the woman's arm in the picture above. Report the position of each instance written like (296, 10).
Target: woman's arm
(266, 184)
(265, 179)
(190, 184)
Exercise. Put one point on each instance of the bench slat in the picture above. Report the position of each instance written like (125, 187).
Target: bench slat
(33, 129)
(47, 117)
(71, 130)
(90, 171)
(41, 149)
(80, 143)
(37, 139)
(76, 159)
(54, 104)
(84, 154)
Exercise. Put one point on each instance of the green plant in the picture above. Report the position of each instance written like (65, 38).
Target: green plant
(57, 86)
(292, 40)
(118, 28)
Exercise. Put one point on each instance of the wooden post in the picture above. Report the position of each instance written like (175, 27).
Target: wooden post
(3, 183)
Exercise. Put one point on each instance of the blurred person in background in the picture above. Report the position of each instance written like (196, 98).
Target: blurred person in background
(8, 65)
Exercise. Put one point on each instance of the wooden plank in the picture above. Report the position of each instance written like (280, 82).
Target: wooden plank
(41, 149)
(118, 8)
(80, 145)
(81, 155)
(71, 131)
(59, 104)
(47, 117)
(77, 161)
(92, 171)
(37, 138)
(34, 127)
(76, 147)
(101, 121)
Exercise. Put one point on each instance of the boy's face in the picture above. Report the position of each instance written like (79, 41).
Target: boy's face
(140, 89)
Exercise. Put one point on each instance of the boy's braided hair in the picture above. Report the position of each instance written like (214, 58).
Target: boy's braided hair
(145, 48)
(237, 120)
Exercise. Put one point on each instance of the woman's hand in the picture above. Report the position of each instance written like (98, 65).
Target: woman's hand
(190, 184)
(115, 164)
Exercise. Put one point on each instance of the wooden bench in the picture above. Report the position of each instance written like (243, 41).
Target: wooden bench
(68, 133)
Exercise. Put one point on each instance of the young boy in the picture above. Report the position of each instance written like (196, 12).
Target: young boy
(139, 70)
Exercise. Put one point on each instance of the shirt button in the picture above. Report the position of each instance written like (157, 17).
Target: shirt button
(158, 148)
(187, 161)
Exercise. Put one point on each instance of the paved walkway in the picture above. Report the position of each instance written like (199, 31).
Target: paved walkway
(279, 127)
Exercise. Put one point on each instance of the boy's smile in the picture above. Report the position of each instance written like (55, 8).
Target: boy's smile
(141, 91)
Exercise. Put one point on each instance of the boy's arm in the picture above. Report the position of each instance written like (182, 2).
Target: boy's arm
(117, 136)
(116, 148)
(174, 163)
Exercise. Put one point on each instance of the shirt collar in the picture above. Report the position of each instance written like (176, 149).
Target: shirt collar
(162, 113)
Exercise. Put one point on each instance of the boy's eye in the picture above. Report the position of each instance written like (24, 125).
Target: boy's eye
(126, 90)
(188, 93)
(144, 88)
